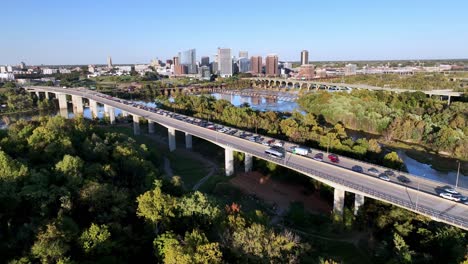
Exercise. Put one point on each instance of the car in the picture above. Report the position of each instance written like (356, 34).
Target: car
(384, 177)
(271, 142)
(265, 143)
(357, 168)
(279, 143)
(318, 157)
(450, 189)
(464, 199)
(450, 196)
(291, 148)
(389, 173)
(333, 158)
(403, 179)
(373, 170)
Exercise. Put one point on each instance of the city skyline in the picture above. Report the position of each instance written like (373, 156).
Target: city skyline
(74, 33)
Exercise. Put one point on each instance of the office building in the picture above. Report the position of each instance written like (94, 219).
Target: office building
(256, 65)
(9, 68)
(306, 72)
(350, 69)
(109, 62)
(244, 64)
(22, 66)
(64, 71)
(224, 62)
(205, 72)
(188, 58)
(47, 71)
(243, 54)
(205, 61)
(271, 65)
(3, 69)
(304, 57)
(180, 69)
(5, 76)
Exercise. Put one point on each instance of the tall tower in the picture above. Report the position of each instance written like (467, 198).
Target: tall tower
(304, 57)
(109, 62)
(225, 62)
(256, 65)
(271, 63)
(243, 54)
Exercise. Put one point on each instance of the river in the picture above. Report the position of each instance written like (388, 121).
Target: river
(264, 104)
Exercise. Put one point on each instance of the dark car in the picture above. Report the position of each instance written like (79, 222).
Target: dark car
(318, 157)
(357, 168)
(403, 179)
(389, 173)
(333, 158)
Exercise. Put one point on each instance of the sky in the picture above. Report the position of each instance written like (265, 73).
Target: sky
(87, 31)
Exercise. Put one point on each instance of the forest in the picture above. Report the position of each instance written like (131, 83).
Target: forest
(406, 117)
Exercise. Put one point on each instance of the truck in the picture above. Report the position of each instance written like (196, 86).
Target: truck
(300, 151)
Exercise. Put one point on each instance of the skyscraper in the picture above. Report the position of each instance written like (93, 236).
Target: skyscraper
(243, 54)
(256, 65)
(189, 58)
(176, 60)
(109, 62)
(271, 65)
(225, 62)
(244, 64)
(304, 57)
(205, 61)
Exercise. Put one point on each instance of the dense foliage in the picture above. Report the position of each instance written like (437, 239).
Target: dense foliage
(408, 117)
(70, 192)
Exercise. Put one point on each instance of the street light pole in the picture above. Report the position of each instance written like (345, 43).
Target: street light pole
(458, 174)
(417, 197)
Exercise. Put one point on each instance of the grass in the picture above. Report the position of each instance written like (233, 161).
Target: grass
(190, 170)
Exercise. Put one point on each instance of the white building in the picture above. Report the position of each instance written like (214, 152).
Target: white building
(124, 68)
(141, 67)
(3, 69)
(49, 71)
(64, 70)
(225, 62)
(7, 76)
(350, 69)
(9, 68)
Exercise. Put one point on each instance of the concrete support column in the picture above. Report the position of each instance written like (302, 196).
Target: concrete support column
(124, 114)
(38, 94)
(47, 95)
(62, 99)
(448, 100)
(77, 104)
(229, 161)
(358, 202)
(150, 127)
(136, 125)
(63, 112)
(106, 110)
(338, 201)
(248, 162)
(188, 141)
(111, 113)
(93, 107)
(172, 139)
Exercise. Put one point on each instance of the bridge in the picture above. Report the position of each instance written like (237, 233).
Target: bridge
(419, 196)
(311, 85)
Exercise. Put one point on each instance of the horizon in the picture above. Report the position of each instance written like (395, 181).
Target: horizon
(87, 32)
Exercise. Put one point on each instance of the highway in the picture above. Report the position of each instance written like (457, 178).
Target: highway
(419, 196)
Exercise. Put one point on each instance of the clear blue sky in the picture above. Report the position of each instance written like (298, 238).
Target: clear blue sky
(87, 31)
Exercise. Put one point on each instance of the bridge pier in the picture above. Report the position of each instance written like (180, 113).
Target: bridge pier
(229, 161)
(150, 127)
(38, 94)
(248, 160)
(63, 113)
(93, 108)
(358, 202)
(172, 139)
(188, 141)
(338, 201)
(136, 125)
(62, 99)
(111, 113)
(47, 95)
(77, 102)
(124, 113)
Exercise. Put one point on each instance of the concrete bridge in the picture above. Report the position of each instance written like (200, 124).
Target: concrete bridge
(311, 85)
(419, 196)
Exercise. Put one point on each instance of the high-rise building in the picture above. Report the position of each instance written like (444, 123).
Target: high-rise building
(189, 59)
(22, 66)
(243, 54)
(109, 62)
(205, 72)
(256, 65)
(224, 62)
(271, 65)
(205, 61)
(306, 72)
(176, 60)
(304, 57)
(244, 64)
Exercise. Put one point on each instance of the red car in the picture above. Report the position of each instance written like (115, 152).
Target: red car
(333, 158)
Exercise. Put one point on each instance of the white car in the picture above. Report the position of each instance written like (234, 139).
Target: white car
(450, 196)
(450, 190)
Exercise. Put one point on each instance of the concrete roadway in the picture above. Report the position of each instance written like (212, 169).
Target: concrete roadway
(425, 201)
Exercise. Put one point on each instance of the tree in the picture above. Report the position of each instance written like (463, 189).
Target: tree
(96, 240)
(392, 160)
(194, 248)
(403, 252)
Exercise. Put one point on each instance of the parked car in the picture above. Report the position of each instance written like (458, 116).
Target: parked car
(373, 171)
(403, 179)
(384, 177)
(389, 173)
(318, 157)
(450, 196)
(333, 158)
(357, 168)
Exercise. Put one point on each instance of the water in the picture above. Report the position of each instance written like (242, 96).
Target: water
(259, 103)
